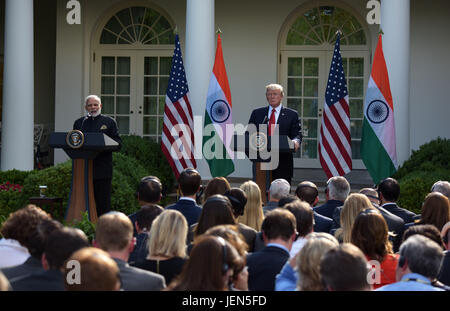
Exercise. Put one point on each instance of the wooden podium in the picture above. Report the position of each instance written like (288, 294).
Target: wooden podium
(257, 147)
(82, 148)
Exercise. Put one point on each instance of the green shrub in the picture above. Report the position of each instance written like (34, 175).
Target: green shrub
(149, 154)
(85, 225)
(11, 199)
(14, 176)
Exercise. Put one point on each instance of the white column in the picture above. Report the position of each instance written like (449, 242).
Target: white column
(18, 87)
(199, 60)
(395, 23)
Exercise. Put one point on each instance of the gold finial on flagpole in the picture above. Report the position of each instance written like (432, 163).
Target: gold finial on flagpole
(175, 30)
(218, 30)
(338, 32)
(380, 32)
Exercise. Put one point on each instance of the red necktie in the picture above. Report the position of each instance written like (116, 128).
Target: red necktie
(271, 122)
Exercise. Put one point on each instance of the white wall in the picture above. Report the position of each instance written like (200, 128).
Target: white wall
(430, 67)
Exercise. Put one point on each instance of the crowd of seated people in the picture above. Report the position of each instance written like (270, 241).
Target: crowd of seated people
(223, 238)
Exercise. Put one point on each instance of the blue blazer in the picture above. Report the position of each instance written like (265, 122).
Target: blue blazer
(322, 223)
(263, 267)
(189, 209)
(288, 124)
(327, 209)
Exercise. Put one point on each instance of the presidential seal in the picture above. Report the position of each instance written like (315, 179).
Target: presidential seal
(258, 141)
(75, 139)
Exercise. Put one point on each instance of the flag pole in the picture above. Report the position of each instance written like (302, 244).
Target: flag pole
(218, 31)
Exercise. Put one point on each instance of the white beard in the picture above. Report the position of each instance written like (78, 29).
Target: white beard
(95, 114)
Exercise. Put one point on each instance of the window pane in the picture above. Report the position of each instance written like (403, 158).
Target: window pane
(356, 67)
(150, 105)
(163, 83)
(123, 123)
(165, 64)
(310, 107)
(344, 64)
(293, 38)
(151, 66)
(150, 86)
(162, 105)
(356, 128)
(150, 125)
(356, 108)
(124, 17)
(108, 104)
(160, 125)
(294, 87)
(309, 149)
(357, 38)
(294, 66)
(123, 85)
(123, 65)
(300, 25)
(310, 128)
(296, 104)
(356, 87)
(166, 38)
(123, 105)
(107, 85)
(108, 38)
(356, 149)
(312, 16)
(108, 64)
(311, 87)
(114, 25)
(311, 67)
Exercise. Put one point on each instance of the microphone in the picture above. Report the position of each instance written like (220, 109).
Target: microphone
(265, 120)
(84, 119)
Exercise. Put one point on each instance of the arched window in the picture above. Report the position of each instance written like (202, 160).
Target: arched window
(131, 67)
(306, 45)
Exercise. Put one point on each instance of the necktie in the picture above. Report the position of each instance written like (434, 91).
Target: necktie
(271, 122)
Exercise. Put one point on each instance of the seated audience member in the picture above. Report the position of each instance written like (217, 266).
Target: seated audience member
(304, 217)
(444, 274)
(231, 234)
(302, 272)
(189, 184)
(435, 211)
(149, 192)
(114, 234)
(279, 188)
(167, 245)
(253, 212)
(418, 265)
(144, 220)
(308, 192)
(238, 199)
(353, 205)
(60, 245)
(388, 192)
(210, 266)
(336, 192)
(217, 185)
(17, 231)
(443, 187)
(428, 231)
(217, 210)
(395, 224)
(344, 268)
(279, 231)
(4, 284)
(36, 247)
(370, 234)
(97, 271)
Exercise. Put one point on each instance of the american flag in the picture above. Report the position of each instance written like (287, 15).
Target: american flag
(177, 141)
(335, 150)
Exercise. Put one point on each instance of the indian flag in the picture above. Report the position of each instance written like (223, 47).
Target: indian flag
(378, 149)
(218, 129)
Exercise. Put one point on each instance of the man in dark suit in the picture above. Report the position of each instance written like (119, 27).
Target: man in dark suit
(102, 170)
(388, 192)
(60, 245)
(308, 192)
(279, 232)
(336, 192)
(286, 121)
(114, 234)
(189, 184)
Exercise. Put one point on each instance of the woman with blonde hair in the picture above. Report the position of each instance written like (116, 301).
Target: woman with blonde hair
(253, 211)
(167, 245)
(353, 205)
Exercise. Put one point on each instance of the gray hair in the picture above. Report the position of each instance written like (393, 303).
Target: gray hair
(275, 86)
(423, 255)
(92, 97)
(279, 188)
(442, 186)
(338, 188)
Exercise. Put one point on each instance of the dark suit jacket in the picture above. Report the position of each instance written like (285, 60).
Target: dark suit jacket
(404, 214)
(444, 274)
(322, 223)
(263, 267)
(30, 266)
(327, 209)
(46, 280)
(189, 209)
(135, 279)
(249, 235)
(106, 125)
(288, 124)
